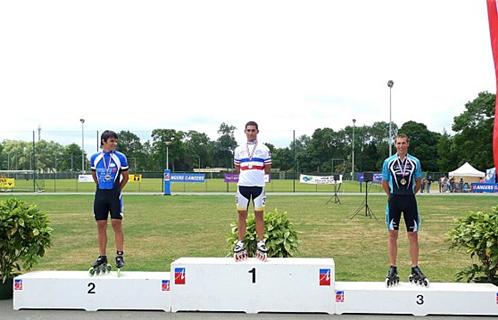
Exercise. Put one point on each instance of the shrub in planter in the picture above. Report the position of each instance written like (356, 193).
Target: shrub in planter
(24, 237)
(280, 234)
(477, 234)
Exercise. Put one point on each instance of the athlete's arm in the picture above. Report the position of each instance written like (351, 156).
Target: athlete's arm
(124, 181)
(94, 176)
(418, 184)
(267, 168)
(385, 186)
(237, 168)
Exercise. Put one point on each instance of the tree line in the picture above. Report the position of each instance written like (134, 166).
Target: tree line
(325, 151)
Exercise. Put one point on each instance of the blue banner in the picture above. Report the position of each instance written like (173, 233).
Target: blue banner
(377, 177)
(188, 177)
(484, 187)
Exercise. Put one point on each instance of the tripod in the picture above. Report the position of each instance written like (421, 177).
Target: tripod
(335, 196)
(368, 212)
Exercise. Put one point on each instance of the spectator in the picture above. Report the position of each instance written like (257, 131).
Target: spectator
(428, 184)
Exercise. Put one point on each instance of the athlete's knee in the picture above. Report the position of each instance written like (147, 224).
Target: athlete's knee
(101, 224)
(393, 235)
(116, 224)
(242, 214)
(259, 214)
(412, 236)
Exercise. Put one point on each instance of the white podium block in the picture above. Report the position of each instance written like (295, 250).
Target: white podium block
(78, 290)
(278, 285)
(407, 298)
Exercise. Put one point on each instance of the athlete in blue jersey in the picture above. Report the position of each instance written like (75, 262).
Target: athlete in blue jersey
(401, 180)
(110, 173)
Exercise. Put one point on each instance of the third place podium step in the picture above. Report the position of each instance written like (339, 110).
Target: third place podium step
(278, 285)
(408, 298)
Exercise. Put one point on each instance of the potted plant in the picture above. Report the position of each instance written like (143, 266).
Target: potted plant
(477, 233)
(280, 234)
(24, 237)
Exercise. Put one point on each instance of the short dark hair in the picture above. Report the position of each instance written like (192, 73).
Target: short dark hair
(402, 136)
(251, 123)
(107, 135)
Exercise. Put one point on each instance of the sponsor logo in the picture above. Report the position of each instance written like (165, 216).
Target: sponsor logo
(179, 275)
(18, 284)
(165, 285)
(339, 296)
(325, 277)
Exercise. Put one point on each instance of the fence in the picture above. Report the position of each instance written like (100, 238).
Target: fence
(153, 182)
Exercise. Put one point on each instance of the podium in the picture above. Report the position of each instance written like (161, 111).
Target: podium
(222, 285)
(78, 290)
(252, 286)
(407, 298)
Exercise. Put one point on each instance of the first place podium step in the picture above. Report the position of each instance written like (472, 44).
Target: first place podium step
(252, 286)
(78, 290)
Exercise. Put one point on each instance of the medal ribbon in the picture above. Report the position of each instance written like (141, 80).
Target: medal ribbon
(401, 168)
(106, 166)
(251, 154)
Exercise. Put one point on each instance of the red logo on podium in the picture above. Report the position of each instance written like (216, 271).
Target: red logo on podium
(325, 277)
(18, 284)
(165, 285)
(179, 275)
(339, 296)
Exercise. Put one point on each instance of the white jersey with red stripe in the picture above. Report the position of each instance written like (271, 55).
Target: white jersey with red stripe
(252, 158)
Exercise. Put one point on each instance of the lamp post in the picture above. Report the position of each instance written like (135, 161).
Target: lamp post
(352, 153)
(82, 145)
(390, 84)
(167, 153)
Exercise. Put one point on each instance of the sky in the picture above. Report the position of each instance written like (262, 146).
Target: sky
(191, 65)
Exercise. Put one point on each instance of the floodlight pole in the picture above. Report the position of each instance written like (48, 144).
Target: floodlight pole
(352, 153)
(82, 146)
(390, 84)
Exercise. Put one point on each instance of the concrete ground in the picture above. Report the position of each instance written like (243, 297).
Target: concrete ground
(7, 313)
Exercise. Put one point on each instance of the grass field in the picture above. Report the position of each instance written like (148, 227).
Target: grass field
(160, 229)
(210, 185)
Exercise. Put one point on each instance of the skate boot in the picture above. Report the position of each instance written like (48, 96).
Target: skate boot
(100, 266)
(239, 251)
(418, 278)
(261, 251)
(120, 263)
(392, 277)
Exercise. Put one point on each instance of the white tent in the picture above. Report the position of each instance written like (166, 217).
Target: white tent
(468, 173)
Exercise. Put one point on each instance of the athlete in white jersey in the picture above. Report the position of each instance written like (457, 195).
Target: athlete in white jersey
(252, 161)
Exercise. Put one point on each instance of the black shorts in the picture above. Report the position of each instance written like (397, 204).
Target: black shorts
(247, 194)
(406, 204)
(108, 201)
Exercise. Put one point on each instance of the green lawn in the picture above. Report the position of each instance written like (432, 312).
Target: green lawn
(210, 185)
(160, 229)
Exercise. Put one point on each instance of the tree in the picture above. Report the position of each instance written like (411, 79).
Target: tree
(175, 148)
(447, 159)
(129, 144)
(70, 158)
(225, 145)
(196, 149)
(423, 144)
(474, 132)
